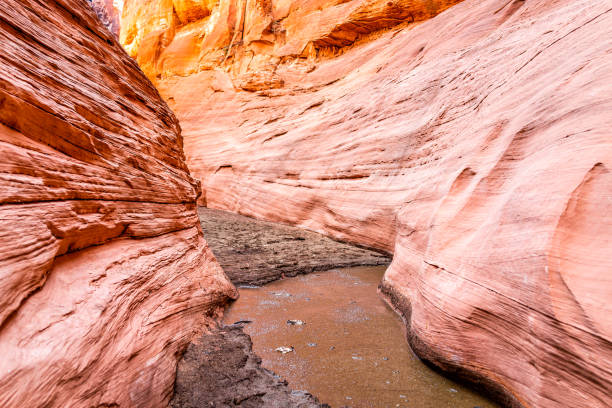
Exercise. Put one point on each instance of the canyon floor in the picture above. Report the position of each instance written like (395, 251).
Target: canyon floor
(220, 369)
(255, 252)
(224, 367)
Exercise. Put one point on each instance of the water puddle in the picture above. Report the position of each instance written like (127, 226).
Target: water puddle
(339, 341)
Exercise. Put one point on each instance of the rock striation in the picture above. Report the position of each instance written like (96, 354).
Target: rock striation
(475, 146)
(104, 273)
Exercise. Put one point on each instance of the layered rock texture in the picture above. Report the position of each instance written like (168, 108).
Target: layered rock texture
(104, 273)
(475, 146)
(249, 38)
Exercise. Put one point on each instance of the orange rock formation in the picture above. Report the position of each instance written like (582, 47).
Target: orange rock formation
(104, 273)
(249, 38)
(476, 146)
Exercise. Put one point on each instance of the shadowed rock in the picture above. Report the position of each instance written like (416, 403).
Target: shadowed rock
(104, 273)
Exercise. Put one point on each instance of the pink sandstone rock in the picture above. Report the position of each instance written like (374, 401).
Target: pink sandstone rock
(476, 147)
(104, 273)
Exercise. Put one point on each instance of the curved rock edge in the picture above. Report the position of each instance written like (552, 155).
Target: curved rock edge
(437, 361)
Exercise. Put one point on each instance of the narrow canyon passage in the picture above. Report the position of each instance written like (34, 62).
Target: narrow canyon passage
(469, 139)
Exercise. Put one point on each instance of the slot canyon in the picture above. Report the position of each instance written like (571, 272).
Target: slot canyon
(162, 157)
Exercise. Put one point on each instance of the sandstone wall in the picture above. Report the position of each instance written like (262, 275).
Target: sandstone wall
(248, 38)
(104, 273)
(476, 146)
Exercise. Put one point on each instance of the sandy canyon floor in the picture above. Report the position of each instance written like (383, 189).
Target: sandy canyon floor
(336, 354)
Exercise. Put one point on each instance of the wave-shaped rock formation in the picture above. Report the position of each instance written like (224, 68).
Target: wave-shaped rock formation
(475, 146)
(104, 274)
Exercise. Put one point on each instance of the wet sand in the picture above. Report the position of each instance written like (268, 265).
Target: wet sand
(351, 351)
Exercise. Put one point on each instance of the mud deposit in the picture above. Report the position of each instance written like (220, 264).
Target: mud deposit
(221, 370)
(348, 347)
(257, 252)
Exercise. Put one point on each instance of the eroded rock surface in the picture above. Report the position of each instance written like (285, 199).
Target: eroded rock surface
(475, 145)
(248, 38)
(109, 13)
(104, 274)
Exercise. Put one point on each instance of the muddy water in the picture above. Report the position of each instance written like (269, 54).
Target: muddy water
(351, 351)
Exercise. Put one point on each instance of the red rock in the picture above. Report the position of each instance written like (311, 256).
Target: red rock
(104, 273)
(476, 146)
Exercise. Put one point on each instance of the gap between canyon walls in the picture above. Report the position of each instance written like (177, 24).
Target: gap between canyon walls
(105, 276)
(475, 146)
